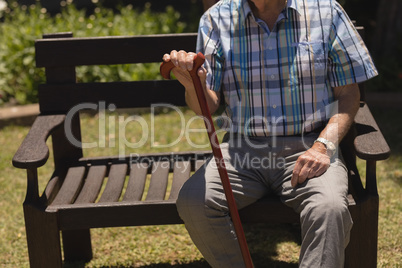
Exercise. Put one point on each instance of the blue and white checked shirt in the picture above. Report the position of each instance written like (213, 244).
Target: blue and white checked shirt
(280, 82)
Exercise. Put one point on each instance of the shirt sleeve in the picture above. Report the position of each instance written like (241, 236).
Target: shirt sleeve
(208, 43)
(349, 60)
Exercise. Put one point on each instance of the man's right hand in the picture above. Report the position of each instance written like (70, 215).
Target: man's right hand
(184, 62)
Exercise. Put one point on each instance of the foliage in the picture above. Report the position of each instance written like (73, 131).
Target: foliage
(19, 79)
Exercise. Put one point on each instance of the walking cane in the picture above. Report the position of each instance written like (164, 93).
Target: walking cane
(199, 59)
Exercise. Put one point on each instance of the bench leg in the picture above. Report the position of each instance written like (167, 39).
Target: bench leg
(362, 248)
(77, 245)
(43, 238)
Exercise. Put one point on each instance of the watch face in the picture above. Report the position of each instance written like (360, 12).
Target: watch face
(331, 146)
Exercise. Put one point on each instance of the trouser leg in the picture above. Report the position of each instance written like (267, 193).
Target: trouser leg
(202, 206)
(321, 202)
(324, 216)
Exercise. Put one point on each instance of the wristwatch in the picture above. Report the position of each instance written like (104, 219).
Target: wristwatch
(328, 144)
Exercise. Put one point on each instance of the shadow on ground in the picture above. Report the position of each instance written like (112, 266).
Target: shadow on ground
(263, 241)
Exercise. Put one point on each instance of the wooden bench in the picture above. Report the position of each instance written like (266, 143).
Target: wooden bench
(68, 206)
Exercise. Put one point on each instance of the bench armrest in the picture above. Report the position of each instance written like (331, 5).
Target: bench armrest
(369, 142)
(33, 151)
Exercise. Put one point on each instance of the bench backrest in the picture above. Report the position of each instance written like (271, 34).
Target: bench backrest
(60, 53)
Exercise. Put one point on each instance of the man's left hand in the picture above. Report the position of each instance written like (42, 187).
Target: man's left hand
(314, 162)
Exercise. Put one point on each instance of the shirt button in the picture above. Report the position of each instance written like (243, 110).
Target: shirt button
(272, 76)
(274, 106)
(270, 48)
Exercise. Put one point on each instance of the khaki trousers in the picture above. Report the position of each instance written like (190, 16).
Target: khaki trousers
(258, 166)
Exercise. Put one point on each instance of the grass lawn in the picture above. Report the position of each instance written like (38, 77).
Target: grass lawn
(170, 246)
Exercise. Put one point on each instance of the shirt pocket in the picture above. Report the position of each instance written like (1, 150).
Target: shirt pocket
(311, 55)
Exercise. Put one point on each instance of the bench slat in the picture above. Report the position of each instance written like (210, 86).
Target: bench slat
(159, 181)
(71, 186)
(117, 214)
(115, 183)
(59, 98)
(53, 187)
(92, 185)
(59, 52)
(136, 183)
(181, 172)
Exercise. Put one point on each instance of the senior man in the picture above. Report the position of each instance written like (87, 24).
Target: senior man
(288, 72)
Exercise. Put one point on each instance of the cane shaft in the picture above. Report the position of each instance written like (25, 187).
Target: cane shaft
(199, 60)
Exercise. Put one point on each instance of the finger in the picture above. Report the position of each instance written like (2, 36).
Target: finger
(182, 57)
(166, 57)
(190, 61)
(295, 174)
(312, 173)
(173, 57)
(202, 73)
(322, 169)
(315, 167)
(319, 172)
(304, 173)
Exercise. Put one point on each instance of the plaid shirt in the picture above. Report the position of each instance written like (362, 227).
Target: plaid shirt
(280, 82)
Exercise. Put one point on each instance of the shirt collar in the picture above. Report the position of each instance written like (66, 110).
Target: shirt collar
(294, 4)
(245, 9)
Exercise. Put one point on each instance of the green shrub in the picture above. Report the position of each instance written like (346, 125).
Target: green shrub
(19, 79)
